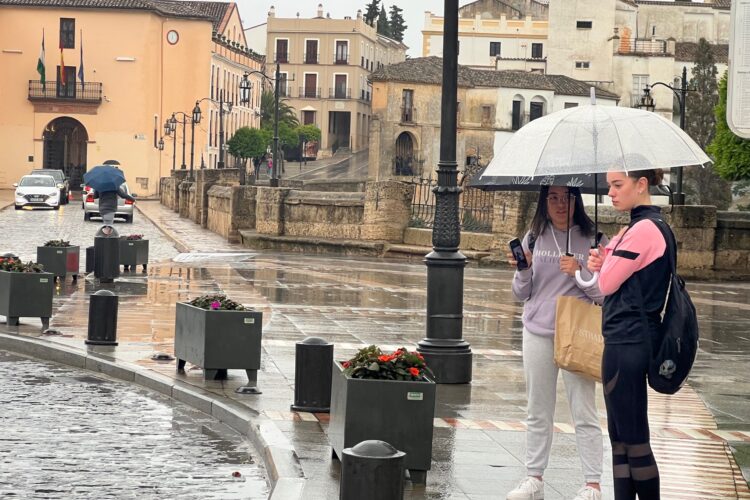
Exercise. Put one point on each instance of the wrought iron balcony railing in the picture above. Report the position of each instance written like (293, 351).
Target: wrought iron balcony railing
(90, 92)
(309, 92)
(340, 93)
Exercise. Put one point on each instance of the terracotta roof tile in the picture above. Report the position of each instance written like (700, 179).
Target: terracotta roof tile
(429, 70)
(686, 51)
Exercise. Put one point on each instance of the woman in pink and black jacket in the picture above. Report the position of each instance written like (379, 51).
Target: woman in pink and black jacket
(634, 277)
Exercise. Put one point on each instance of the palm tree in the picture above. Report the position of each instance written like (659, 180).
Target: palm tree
(287, 113)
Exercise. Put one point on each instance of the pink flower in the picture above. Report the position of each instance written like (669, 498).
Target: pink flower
(215, 305)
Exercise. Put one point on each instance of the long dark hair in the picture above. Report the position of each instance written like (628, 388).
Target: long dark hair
(580, 218)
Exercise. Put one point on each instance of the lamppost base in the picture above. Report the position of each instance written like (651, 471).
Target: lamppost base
(678, 198)
(274, 183)
(220, 164)
(450, 362)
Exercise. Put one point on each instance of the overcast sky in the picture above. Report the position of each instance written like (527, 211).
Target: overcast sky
(254, 12)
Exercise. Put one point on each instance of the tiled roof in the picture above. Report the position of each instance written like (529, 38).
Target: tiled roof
(686, 51)
(429, 70)
(716, 4)
(213, 11)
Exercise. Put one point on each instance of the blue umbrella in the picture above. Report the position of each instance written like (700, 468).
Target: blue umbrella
(104, 178)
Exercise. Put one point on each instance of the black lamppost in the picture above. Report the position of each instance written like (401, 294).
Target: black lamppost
(229, 104)
(274, 182)
(196, 119)
(647, 102)
(160, 145)
(446, 352)
(169, 128)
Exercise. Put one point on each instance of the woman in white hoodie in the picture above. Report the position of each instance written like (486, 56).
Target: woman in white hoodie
(560, 217)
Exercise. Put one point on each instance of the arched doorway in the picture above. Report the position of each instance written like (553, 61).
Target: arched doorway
(65, 141)
(404, 158)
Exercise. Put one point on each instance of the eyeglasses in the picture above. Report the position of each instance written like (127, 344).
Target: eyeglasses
(556, 199)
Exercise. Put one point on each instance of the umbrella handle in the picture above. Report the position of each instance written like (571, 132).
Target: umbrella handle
(585, 284)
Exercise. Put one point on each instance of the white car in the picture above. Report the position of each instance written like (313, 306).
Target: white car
(37, 191)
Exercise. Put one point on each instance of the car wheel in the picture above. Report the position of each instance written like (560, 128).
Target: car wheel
(86, 216)
(19, 207)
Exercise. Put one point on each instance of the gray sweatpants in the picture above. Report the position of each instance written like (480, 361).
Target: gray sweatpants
(108, 219)
(541, 371)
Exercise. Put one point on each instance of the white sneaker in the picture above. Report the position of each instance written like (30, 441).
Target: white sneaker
(588, 493)
(530, 488)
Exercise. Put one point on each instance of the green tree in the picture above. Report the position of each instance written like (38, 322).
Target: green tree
(248, 143)
(287, 113)
(397, 26)
(371, 12)
(703, 186)
(308, 133)
(383, 24)
(731, 154)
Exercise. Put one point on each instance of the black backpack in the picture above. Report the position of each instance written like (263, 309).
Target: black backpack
(674, 351)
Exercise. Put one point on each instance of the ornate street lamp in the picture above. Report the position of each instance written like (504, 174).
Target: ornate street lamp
(161, 144)
(446, 352)
(245, 87)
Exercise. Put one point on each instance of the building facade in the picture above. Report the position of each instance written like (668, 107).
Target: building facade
(325, 66)
(492, 105)
(127, 68)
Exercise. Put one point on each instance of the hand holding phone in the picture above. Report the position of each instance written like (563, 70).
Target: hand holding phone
(518, 255)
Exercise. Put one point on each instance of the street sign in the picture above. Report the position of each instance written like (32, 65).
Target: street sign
(738, 98)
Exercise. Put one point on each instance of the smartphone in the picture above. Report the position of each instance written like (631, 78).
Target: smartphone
(517, 250)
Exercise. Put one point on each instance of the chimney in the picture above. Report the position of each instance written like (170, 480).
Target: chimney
(272, 11)
(320, 10)
(359, 13)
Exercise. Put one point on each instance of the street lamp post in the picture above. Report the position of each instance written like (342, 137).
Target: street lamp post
(647, 101)
(445, 351)
(196, 119)
(220, 164)
(170, 127)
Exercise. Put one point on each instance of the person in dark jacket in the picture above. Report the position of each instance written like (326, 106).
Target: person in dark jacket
(108, 205)
(634, 277)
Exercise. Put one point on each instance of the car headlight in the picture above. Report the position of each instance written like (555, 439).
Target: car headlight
(54, 193)
(19, 193)
(60, 186)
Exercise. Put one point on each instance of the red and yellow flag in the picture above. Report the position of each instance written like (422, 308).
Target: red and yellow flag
(62, 66)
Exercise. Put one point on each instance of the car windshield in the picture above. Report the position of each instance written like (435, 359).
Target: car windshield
(37, 181)
(56, 174)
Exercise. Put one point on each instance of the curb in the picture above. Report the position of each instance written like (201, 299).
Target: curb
(181, 247)
(279, 458)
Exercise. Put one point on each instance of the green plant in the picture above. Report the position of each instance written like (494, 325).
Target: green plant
(371, 363)
(731, 154)
(134, 237)
(57, 243)
(16, 265)
(216, 302)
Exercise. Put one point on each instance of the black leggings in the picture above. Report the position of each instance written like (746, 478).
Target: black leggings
(624, 368)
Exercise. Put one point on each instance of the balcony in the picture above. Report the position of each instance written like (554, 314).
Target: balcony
(311, 58)
(78, 92)
(408, 114)
(643, 47)
(340, 93)
(309, 92)
(284, 90)
(281, 57)
(341, 59)
(365, 95)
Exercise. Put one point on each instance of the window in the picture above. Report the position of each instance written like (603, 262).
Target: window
(639, 84)
(494, 49)
(339, 87)
(516, 117)
(486, 115)
(69, 89)
(308, 118)
(311, 52)
(342, 52)
(67, 33)
(536, 110)
(283, 88)
(311, 85)
(582, 64)
(407, 106)
(282, 51)
(584, 25)
(536, 50)
(571, 105)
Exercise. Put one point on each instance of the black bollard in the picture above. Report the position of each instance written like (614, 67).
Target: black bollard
(312, 375)
(90, 259)
(106, 255)
(103, 318)
(372, 470)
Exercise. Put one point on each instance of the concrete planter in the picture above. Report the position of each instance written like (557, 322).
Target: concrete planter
(133, 253)
(218, 340)
(26, 295)
(398, 412)
(60, 261)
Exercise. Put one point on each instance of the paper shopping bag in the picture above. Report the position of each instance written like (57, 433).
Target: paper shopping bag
(578, 337)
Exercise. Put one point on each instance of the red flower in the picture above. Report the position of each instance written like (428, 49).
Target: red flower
(384, 358)
(346, 364)
(421, 358)
(414, 371)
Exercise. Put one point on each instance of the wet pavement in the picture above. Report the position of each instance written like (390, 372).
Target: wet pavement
(69, 434)
(479, 429)
(352, 168)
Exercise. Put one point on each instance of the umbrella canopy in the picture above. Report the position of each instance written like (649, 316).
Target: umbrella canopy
(104, 178)
(594, 139)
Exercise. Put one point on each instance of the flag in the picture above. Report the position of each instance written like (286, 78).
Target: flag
(62, 66)
(80, 68)
(40, 64)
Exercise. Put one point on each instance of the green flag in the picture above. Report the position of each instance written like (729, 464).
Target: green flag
(40, 64)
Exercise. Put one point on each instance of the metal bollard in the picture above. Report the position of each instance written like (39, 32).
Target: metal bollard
(312, 375)
(90, 259)
(106, 256)
(372, 470)
(103, 318)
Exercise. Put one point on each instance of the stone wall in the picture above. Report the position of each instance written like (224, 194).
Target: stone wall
(219, 211)
(319, 214)
(387, 209)
(732, 242)
(169, 189)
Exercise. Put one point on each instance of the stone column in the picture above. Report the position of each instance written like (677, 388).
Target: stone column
(694, 228)
(269, 210)
(387, 210)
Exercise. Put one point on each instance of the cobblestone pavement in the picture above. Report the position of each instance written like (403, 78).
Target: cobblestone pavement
(479, 440)
(69, 434)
